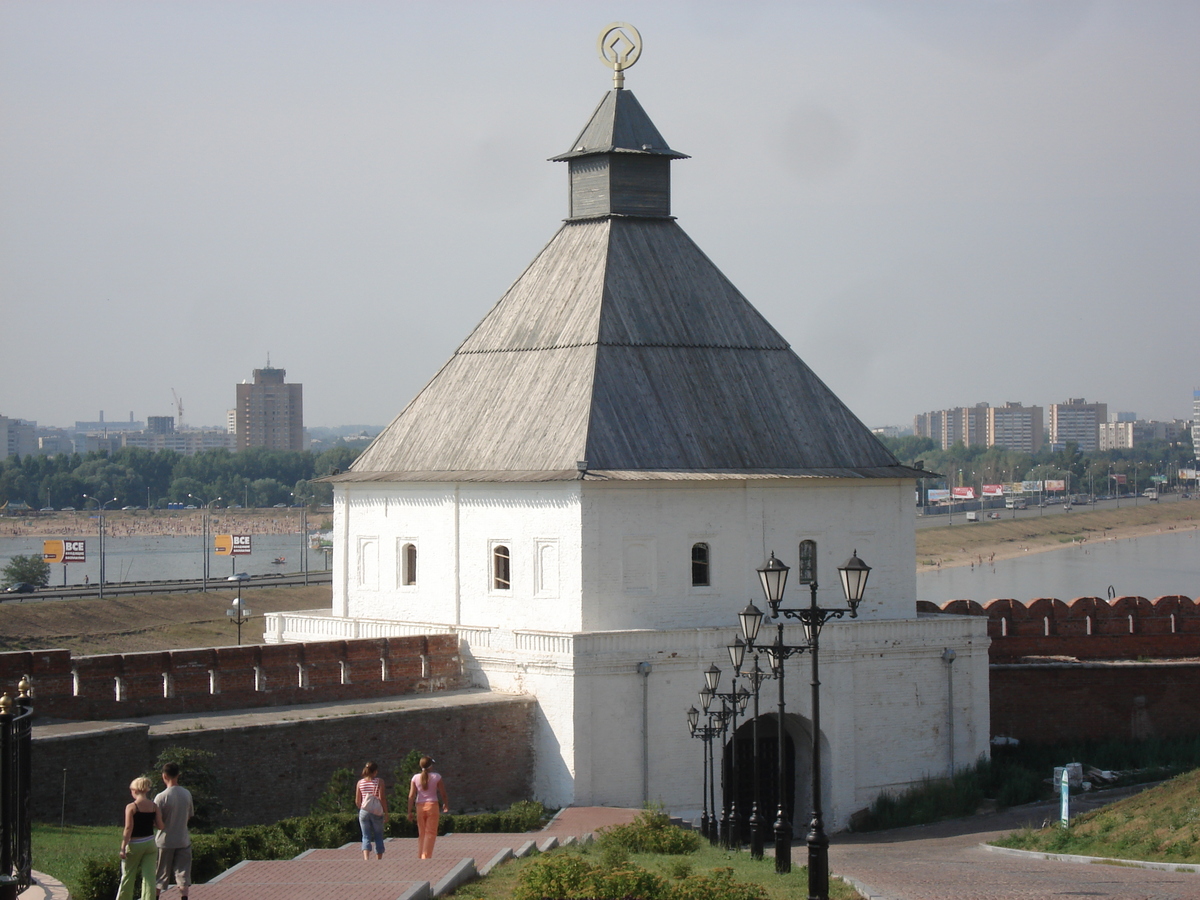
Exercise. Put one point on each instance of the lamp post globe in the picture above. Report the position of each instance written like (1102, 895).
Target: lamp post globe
(773, 577)
(854, 574)
(712, 677)
(750, 620)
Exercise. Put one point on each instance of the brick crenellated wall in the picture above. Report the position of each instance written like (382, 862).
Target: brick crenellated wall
(1087, 627)
(132, 685)
(1124, 669)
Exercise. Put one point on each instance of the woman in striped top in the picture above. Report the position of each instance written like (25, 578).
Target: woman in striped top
(371, 800)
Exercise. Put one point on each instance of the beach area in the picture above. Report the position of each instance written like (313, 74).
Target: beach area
(160, 522)
(993, 540)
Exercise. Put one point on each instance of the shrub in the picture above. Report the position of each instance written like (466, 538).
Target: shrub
(717, 886)
(650, 832)
(100, 877)
(197, 775)
(570, 876)
(338, 796)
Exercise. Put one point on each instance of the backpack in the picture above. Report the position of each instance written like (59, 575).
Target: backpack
(371, 804)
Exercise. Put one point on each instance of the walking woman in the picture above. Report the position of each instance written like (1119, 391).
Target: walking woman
(371, 800)
(424, 791)
(137, 842)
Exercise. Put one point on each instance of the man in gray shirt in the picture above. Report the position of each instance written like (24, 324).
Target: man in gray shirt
(174, 843)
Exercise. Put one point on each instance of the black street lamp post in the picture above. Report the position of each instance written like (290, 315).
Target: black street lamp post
(812, 618)
(703, 733)
(100, 508)
(751, 619)
(713, 728)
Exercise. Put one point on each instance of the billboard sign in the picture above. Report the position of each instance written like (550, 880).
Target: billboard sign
(964, 493)
(993, 490)
(1120, 479)
(231, 544)
(1055, 484)
(938, 495)
(1030, 487)
(70, 551)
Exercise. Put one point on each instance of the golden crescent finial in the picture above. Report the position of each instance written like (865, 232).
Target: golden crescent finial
(619, 46)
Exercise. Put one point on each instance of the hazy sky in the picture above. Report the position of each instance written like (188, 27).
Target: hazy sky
(937, 203)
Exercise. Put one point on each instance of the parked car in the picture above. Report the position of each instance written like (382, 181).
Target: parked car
(21, 587)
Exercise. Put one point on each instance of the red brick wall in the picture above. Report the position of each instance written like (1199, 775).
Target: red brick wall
(1091, 668)
(1088, 627)
(1115, 700)
(222, 678)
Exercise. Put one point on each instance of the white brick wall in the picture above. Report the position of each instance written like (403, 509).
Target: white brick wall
(615, 590)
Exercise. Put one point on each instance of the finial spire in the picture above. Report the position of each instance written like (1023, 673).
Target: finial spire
(620, 45)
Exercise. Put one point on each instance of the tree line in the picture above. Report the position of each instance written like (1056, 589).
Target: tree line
(134, 476)
(1089, 472)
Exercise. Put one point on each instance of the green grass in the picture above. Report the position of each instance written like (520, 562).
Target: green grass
(1161, 824)
(61, 851)
(793, 886)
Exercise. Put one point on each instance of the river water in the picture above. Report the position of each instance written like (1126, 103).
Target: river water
(165, 557)
(1150, 566)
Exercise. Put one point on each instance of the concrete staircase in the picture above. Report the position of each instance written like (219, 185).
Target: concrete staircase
(458, 858)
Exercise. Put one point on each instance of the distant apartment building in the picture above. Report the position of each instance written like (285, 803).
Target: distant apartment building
(18, 437)
(160, 424)
(1196, 423)
(102, 427)
(1077, 421)
(1125, 435)
(270, 413)
(1015, 427)
(186, 443)
(888, 431)
(947, 427)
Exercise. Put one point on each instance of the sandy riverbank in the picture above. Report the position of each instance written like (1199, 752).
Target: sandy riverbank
(965, 543)
(138, 523)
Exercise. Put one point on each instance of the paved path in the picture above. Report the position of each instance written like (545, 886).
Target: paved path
(342, 872)
(942, 861)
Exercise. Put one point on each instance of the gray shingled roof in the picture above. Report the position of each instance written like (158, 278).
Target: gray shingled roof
(623, 345)
(619, 125)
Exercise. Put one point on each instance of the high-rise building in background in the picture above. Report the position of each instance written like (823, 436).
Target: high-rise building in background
(1015, 427)
(18, 437)
(270, 413)
(1077, 421)
(1196, 423)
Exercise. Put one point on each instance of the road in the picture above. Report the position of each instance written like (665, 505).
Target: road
(189, 586)
(947, 861)
(1052, 509)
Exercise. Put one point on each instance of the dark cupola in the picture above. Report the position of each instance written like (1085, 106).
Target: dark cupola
(619, 164)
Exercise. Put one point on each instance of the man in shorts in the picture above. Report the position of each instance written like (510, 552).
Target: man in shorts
(174, 842)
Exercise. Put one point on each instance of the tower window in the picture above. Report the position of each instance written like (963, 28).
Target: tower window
(409, 566)
(501, 568)
(806, 572)
(700, 577)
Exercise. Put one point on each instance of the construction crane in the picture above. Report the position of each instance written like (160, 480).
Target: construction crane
(178, 409)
